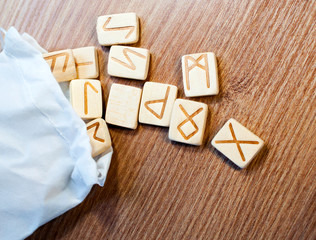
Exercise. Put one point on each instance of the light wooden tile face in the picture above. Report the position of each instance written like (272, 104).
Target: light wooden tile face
(62, 65)
(157, 103)
(86, 98)
(200, 74)
(237, 143)
(99, 135)
(128, 62)
(120, 28)
(188, 122)
(86, 60)
(123, 105)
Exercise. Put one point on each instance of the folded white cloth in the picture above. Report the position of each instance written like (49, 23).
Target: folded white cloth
(46, 166)
(33, 42)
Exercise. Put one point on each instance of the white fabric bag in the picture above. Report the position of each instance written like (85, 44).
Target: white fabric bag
(46, 166)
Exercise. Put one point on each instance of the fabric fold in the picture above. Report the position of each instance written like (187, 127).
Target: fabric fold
(46, 166)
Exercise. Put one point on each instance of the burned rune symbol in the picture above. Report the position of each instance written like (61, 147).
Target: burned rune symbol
(164, 101)
(196, 63)
(86, 95)
(96, 125)
(130, 64)
(238, 142)
(83, 64)
(188, 119)
(130, 28)
(54, 57)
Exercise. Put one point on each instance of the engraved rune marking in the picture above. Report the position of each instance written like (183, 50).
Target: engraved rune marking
(196, 64)
(164, 101)
(131, 65)
(130, 28)
(83, 64)
(54, 57)
(238, 142)
(96, 125)
(86, 95)
(189, 119)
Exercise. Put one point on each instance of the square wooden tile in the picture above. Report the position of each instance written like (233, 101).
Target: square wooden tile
(62, 64)
(99, 135)
(86, 59)
(122, 28)
(157, 103)
(128, 62)
(86, 98)
(199, 72)
(188, 121)
(237, 143)
(123, 105)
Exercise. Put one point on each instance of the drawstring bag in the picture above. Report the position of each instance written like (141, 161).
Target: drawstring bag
(46, 166)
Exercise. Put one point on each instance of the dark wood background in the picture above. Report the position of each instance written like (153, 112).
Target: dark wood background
(157, 189)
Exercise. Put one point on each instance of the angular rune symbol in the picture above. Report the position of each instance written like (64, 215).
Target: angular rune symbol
(96, 125)
(188, 119)
(86, 95)
(130, 28)
(238, 142)
(164, 101)
(131, 65)
(54, 57)
(196, 63)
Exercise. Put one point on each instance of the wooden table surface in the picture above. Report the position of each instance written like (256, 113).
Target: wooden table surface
(157, 189)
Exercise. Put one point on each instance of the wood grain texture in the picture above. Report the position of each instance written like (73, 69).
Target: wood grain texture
(162, 190)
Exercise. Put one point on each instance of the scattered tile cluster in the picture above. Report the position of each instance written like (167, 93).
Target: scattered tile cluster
(155, 104)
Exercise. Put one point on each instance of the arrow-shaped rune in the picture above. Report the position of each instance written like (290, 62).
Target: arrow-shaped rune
(130, 28)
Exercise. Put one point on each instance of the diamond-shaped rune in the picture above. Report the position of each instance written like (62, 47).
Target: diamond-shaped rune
(188, 119)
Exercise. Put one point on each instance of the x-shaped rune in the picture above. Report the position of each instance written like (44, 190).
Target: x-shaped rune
(189, 118)
(238, 142)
